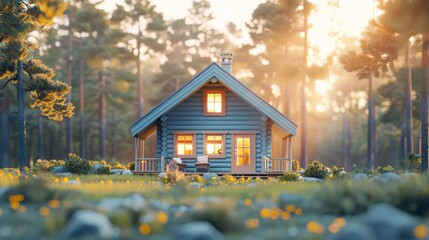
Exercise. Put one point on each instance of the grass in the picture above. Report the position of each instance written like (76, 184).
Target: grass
(238, 214)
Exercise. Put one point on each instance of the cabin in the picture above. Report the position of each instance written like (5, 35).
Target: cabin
(216, 122)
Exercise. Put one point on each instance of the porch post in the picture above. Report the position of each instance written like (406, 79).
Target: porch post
(136, 150)
(290, 153)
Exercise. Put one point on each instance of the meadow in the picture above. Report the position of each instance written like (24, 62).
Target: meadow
(43, 205)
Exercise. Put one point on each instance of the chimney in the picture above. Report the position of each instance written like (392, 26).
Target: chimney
(226, 61)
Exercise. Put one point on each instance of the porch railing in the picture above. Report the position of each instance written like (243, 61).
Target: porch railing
(277, 165)
(150, 164)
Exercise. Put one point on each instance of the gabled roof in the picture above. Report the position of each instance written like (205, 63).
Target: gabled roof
(201, 79)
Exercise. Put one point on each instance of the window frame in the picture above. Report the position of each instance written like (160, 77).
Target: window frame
(205, 99)
(222, 155)
(194, 145)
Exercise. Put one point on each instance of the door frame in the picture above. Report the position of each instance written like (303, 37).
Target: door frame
(252, 152)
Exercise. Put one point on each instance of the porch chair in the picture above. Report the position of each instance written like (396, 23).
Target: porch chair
(202, 163)
(177, 163)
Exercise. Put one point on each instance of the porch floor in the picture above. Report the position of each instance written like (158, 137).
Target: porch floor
(237, 175)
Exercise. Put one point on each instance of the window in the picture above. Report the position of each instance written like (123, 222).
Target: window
(214, 103)
(185, 146)
(215, 145)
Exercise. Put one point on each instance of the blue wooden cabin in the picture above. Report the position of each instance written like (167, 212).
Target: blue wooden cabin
(215, 115)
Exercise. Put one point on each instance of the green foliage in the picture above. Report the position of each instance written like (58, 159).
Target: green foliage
(173, 176)
(350, 197)
(289, 177)
(317, 170)
(412, 163)
(31, 190)
(77, 165)
(385, 169)
(338, 173)
(18, 20)
(131, 166)
(47, 165)
(295, 165)
(219, 213)
(104, 170)
(355, 169)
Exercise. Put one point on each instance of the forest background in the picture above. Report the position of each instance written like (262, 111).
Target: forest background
(124, 59)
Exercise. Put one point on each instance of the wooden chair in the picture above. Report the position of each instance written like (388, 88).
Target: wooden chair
(179, 163)
(202, 163)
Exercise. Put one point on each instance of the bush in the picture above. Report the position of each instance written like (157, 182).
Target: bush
(338, 173)
(295, 165)
(47, 165)
(385, 169)
(412, 163)
(317, 170)
(104, 170)
(131, 166)
(289, 177)
(77, 165)
(173, 176)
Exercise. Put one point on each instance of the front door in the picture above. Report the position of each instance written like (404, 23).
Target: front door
(243, 154)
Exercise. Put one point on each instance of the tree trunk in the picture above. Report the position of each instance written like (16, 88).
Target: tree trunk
(371, 127)
(139, 79)
(40, 136)
(81, 103)
(113, 126)
(21, 120)
(102, 116)
(4, 133)
(303, 99)
(345, 160)
(349, 141)
(425, 61)
(408, 102)
(59, 143)
(30, 137)
(69, 63)
(52, 144)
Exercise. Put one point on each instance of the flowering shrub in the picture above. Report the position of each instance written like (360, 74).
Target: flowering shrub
(47, 165)
(317, 170)
(289, 177)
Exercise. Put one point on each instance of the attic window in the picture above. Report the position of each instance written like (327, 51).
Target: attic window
(214, 103)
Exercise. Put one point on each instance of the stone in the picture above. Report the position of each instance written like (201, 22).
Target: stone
(210, 176)
(355, 232)
(300, 179)
(391, 177)
(116, 171)
(198, 231)
(64, 174)
(411, 175)
(87, 223)
(162, 174)
(312, 179)
(127, 172)
(59, 169)
(134, 202)
(389, 222)
(160, 206)
(3, 190)
(359, 177)
(291, 199)
(95, 167)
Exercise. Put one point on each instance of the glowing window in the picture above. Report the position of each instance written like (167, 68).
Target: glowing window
(214, 144)
(185, 145)
(214, 103)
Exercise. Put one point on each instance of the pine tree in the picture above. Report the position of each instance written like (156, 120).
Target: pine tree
(18, 19)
